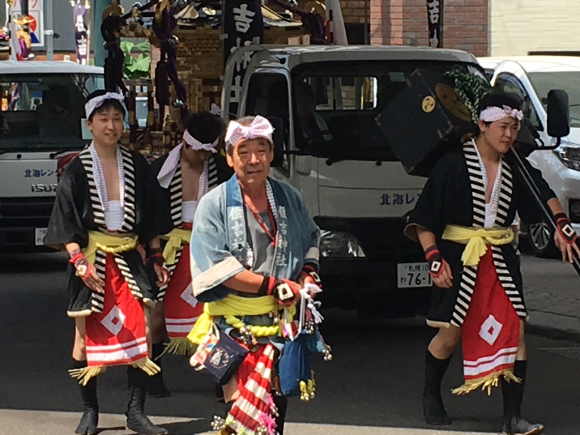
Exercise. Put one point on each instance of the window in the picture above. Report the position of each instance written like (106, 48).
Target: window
(511, 85)
(544, 82)
(268, 97)
(344, 93)
(336, 104)
(44, 111)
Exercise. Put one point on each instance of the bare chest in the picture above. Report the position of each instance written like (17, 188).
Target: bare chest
(190, 182)
(111, 173)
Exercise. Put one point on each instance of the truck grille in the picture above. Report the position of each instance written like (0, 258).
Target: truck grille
(25, 212)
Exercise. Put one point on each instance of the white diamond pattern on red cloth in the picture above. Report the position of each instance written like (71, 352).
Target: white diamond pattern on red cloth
(114, 320)
(188, 297)
(490, 330)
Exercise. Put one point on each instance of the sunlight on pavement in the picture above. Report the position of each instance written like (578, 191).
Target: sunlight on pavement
(19, 422)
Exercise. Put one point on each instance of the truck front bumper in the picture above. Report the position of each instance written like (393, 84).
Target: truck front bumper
(370, 287)
(20, 239)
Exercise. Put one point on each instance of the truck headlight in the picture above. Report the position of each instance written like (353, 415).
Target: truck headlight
(339, 244)
(569, 156)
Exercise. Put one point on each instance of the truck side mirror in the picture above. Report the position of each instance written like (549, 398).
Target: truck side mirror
(558, 114)
(278, 139)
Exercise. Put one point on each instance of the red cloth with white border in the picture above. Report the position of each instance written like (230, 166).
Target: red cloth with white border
(182, 309)
(253, 408)
(117, 335)
(491, 327)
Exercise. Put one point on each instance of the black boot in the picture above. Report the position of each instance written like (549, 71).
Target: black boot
(90, 419)
(281, 403)
(157, 387)
(513, 395)
(137, 421)
(433, 408)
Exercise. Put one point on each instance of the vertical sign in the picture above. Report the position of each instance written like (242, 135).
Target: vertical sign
(81, 33)
(435, 21)
(243, 25)
(36, 12)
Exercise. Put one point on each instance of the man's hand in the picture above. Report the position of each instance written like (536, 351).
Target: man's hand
(565, 237)
(287, 292)
(162, 274)
(86, 271)
(438, 268)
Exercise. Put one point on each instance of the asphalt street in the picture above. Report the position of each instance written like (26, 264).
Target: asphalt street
(372, 386)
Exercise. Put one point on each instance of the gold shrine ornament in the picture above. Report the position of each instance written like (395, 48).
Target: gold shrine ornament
(428, 104)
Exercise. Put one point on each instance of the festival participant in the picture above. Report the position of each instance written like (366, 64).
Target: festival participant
(461, 221)
(187, 173)
(105, 211)
(254, 247)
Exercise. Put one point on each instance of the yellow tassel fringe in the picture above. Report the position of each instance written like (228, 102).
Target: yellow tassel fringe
(488, 382)
(180, 346)
(85, 374)
(147, 366)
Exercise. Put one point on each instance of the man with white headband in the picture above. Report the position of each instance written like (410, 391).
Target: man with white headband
(462, 222)
(254, 246)
(186, 174)
(104, 213)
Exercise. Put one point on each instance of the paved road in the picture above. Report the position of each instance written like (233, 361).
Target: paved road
(372, 386)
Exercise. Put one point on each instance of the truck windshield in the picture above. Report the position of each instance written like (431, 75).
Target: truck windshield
(44, 111)
(543, 82)
(336, 104)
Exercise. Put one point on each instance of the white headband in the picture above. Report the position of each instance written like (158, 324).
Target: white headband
(493, 113)
(260, 127)
(197, 145)
(94, 103)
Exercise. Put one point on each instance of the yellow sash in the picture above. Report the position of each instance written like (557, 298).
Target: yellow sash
(107, 243)
(476, 240)
(175, 239)
(232, 305)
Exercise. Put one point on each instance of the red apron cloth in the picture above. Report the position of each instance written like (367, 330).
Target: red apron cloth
(181, 308)
(117, 335)
(254, 408)
(490, 332)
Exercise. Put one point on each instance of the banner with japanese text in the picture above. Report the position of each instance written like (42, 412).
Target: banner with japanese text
(81, 33)
(243, 25)
(435, 21)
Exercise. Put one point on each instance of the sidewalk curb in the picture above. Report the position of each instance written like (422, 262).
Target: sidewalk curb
(554, 326)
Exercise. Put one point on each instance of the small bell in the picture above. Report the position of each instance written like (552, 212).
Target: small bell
(177, 103)
(174, 40)
(218, 423)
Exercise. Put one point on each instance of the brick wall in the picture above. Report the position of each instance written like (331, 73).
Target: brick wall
(525, 25)
(355, 11)
(404, 22)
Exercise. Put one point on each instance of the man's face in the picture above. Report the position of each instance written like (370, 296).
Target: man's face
(195, 156)
(500, 135)
(106, 126)
(251, 160)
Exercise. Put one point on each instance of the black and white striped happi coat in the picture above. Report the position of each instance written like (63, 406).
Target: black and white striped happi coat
(175, 205)
(78, 209)
(455, 194)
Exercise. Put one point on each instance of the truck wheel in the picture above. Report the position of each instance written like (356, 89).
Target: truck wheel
(541, 239)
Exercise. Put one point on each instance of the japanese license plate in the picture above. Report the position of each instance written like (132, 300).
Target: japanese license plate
(413, 275)
(39, 234)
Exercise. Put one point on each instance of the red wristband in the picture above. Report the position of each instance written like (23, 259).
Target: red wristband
(435, 261)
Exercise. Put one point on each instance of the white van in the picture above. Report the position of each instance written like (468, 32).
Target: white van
(531, 78)
(323, 101)
(42, 106)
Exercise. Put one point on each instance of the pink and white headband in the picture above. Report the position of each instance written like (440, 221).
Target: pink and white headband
(94, 103)
(493, 113)
(188, 139)
(259, 128)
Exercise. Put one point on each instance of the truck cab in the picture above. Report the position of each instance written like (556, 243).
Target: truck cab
(323, 102)
(41, 125)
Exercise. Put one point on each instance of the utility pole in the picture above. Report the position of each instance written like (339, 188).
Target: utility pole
(49, 31)
(98, 43)
(24, 13)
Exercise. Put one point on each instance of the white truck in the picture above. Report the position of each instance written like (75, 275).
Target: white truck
(323, 101)
(41, 116)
